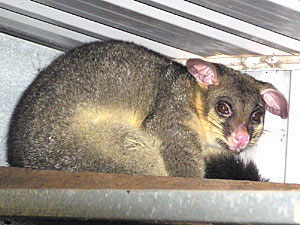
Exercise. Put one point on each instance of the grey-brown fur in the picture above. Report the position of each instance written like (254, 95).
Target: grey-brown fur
(117, 107)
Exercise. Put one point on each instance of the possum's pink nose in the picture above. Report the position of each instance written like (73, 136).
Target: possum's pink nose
(240, 139)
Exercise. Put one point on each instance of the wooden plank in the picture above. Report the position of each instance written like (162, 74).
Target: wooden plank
(14, 178)
(293, 153)
(255, 62)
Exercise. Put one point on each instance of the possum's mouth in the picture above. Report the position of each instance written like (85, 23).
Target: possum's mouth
(233, 148)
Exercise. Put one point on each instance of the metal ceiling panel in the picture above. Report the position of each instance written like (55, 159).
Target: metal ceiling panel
(48, 22)
(279, 16)
(145, 26)
(39, 32)
(227, 23)
(177, 28)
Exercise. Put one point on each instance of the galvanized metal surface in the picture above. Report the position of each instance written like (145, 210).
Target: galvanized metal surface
(275, 15)
(176, 28)
(227, 16)
(164, 205)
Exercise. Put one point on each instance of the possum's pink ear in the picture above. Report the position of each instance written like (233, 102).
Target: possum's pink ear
(275, 102)
(204, 72)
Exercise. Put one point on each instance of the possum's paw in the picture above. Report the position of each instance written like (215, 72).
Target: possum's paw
(231, 168)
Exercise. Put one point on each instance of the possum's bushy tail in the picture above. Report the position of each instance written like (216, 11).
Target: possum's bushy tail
(232, 168)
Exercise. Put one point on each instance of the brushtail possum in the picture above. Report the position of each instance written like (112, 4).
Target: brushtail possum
(118, 107)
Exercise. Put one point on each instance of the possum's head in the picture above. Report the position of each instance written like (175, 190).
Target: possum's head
(233, 105)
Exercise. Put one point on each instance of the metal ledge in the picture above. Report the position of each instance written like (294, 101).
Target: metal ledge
(56, 194)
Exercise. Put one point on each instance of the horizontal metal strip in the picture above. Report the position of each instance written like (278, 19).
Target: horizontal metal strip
(157, 205)
(275, 15)
(223, 40)
(40, 32)
(202, 29)
(83, 26)
(228, 24)
(145, 26)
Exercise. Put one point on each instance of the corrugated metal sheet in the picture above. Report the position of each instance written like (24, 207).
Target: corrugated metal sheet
(279, 16)
(174, 27)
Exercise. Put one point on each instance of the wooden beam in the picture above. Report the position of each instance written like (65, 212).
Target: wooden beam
(21, 178)
(252, 62)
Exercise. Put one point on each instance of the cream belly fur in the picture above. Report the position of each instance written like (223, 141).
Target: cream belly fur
(96, 127)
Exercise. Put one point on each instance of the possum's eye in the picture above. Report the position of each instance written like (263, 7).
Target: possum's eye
(256, 117)
(223, 109)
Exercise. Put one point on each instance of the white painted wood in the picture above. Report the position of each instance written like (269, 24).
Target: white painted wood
(293, 154)
(254, 63)
(270, 152)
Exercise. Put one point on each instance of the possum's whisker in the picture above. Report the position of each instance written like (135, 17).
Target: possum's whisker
(265, 130)
(212, 120)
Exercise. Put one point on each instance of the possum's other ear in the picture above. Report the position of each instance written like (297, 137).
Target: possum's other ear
(275, 102)
(204, 72)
